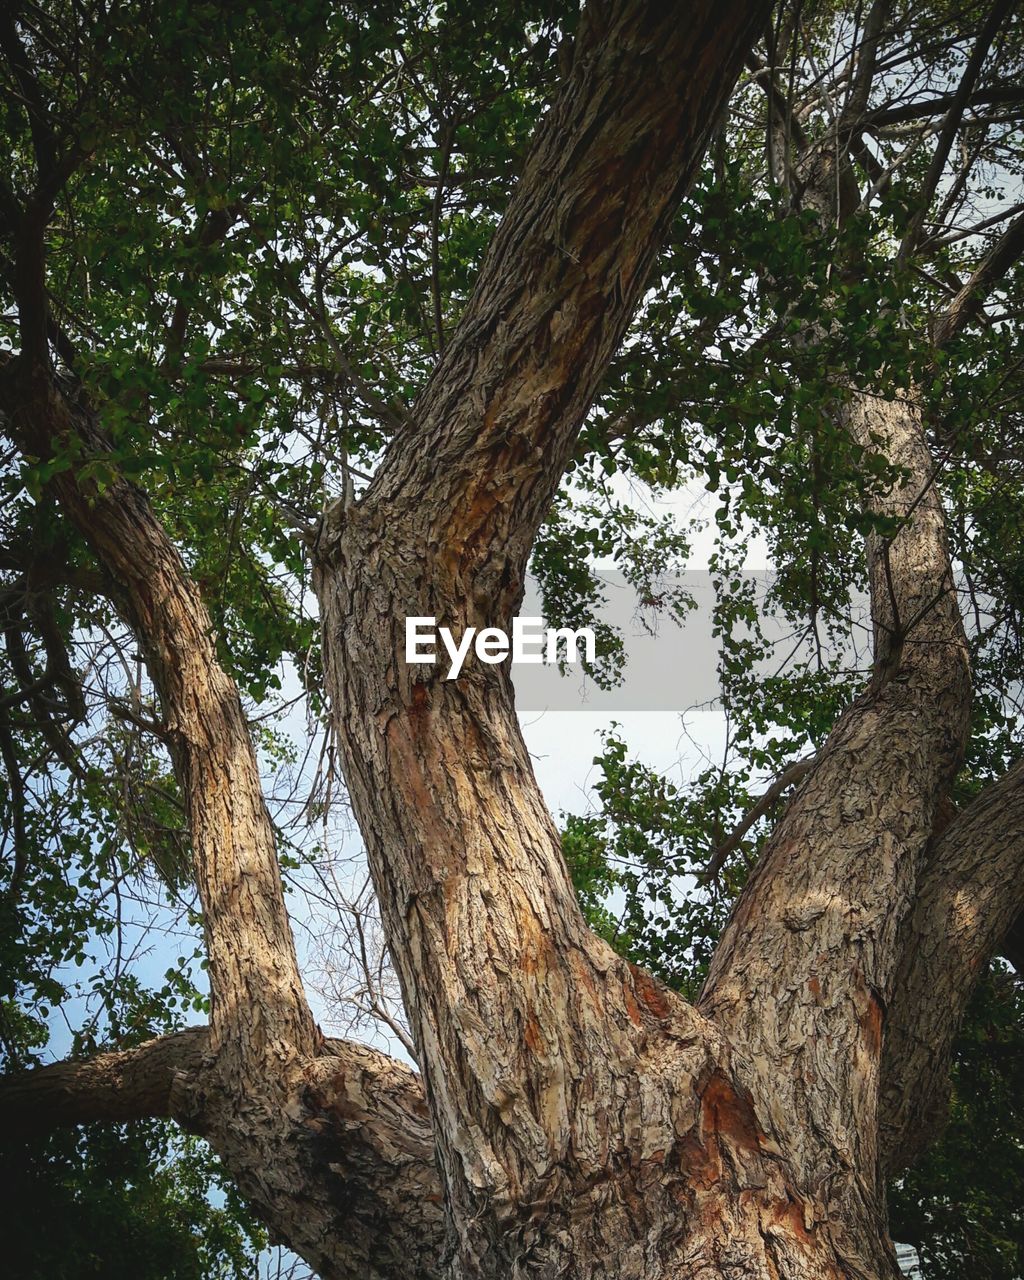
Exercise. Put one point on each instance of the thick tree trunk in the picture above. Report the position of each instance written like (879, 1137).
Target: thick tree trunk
(589, 1123)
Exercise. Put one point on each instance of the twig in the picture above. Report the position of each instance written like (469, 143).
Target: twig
(789, 777)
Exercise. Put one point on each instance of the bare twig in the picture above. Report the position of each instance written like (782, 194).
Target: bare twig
(795, 773)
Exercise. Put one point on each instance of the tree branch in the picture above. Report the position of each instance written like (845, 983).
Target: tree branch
(17, 808)
(969, 300)
(809, 964)
(563, 275)
(258, 1005)
(214, 229)
(526, 1025)
(971, 893)
(951, 124)
(930, 107)
(806, 967)
(962, 233)
(789, 777)
(29, 224)
(864, 77)
(44, 143)
(132, 1084)
(343, 1172)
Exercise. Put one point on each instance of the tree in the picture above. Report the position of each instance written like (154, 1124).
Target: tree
(572, 1114)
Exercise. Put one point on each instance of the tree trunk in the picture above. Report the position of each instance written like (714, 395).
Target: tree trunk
(588, 1121)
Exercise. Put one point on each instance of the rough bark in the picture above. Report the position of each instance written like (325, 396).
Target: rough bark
(133, 1084)
(876, 793)
(343, 1170)
(258, 1008)
(970, 896)
(334, 1151)
(803, 976)
(563, 1085)
(588, 1122)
